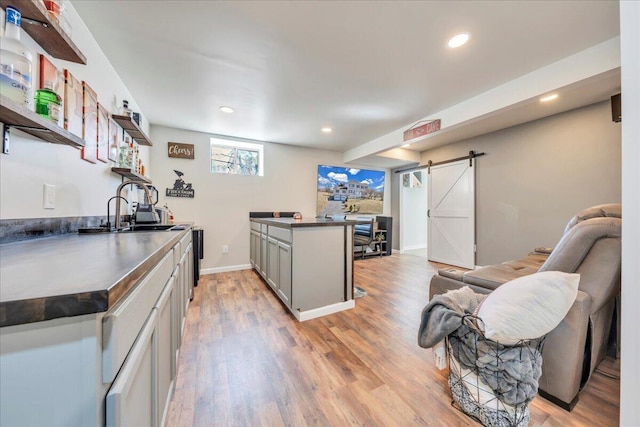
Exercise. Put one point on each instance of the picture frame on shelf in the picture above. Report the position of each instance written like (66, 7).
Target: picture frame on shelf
(103, 134)
(89, 124)
(72, 104)
(115, 140)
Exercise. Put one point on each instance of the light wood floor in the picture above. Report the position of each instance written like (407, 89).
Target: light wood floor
(245, 361)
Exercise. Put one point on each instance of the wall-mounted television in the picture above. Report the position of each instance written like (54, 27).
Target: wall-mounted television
(350, 191)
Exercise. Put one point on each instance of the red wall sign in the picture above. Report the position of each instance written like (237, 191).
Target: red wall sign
(426, 128)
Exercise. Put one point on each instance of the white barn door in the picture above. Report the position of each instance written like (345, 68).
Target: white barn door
(452, 214)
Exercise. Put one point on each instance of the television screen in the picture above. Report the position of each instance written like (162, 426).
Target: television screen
(349, 191)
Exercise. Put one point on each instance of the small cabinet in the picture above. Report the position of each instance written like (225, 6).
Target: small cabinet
(284, 272)
(254, 249)
(132, 397)
(263, 255)
(273, 270)
(279, 262)
(165, 350)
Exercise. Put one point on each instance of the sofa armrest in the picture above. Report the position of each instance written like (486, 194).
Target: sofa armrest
(440, 285)
(563, 354)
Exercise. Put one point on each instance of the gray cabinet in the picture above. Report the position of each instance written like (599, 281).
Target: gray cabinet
(309, 267)
(254, 246)
(165, 350)
(279, 271)
(131, 401)
(115, 368)
(284, 272)
(273, 270)
(263, 255)
(259, 248)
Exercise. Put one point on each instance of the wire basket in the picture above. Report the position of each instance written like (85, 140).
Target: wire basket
(480, 377)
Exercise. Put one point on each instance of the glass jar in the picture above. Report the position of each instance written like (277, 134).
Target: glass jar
(48, 102)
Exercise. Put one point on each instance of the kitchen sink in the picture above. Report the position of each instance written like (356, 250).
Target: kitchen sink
(135, 228)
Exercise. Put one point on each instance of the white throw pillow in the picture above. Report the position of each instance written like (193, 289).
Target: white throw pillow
(528, 307)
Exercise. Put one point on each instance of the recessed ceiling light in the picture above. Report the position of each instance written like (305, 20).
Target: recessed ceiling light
(549, 98)
(326, 129)
(406, 145)
(458, 40)
(227, 110)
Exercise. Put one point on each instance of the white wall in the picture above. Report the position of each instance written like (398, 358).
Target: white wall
(222, 202)
(82, 188)
(630, 358)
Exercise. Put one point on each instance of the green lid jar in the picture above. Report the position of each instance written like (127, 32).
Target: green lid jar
(48, 103)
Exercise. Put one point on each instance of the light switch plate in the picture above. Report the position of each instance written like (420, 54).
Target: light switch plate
(49, 196)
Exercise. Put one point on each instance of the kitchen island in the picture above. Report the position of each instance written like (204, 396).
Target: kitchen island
(307, 262)
(90, 327)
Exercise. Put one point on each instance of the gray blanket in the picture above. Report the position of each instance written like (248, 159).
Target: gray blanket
(512, 372)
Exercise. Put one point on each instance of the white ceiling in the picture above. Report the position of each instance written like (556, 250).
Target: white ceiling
(364, 68)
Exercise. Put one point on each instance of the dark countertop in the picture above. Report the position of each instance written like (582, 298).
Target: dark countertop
(72, 274)
(305, 222)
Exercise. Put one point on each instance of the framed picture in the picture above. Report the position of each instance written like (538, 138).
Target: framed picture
(114, 140)
(103, 134)
(53, 78)
(72, 105)
(343, 190)
(89, 124)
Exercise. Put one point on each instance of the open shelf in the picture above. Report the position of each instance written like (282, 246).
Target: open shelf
(21, 118)
(46, 32)
(132, 129)
(131, 175)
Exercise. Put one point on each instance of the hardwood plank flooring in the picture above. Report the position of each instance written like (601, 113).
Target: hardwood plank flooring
(246, 361)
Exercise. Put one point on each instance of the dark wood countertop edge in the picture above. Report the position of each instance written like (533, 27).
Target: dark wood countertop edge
(48, 308)
(120, 289)
(320, 223)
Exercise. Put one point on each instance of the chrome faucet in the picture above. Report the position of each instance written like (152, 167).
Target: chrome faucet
(118, 197)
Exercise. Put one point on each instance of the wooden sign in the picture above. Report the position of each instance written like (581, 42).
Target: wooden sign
(181, 151)
(415, 132)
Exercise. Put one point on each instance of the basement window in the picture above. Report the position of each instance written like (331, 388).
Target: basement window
(236, 158)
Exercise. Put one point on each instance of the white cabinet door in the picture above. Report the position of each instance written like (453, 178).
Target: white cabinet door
(166, 353)
(132, 399)
(284, 272)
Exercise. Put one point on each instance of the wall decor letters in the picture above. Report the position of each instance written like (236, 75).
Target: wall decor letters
(417, 131)
(181, 151)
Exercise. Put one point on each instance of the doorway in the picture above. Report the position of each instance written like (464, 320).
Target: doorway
(413, 213)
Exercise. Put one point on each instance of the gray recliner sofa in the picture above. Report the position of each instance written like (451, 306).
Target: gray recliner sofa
(591, 247)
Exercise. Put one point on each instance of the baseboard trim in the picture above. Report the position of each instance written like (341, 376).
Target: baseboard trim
(323, 311)
(413, 248)
(225, 269)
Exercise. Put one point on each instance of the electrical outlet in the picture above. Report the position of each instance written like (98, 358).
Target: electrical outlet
(49, 196)
(225, 249)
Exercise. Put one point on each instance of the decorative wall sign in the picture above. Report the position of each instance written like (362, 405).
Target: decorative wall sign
(180, 188)
(181, 151)
(414, 132)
